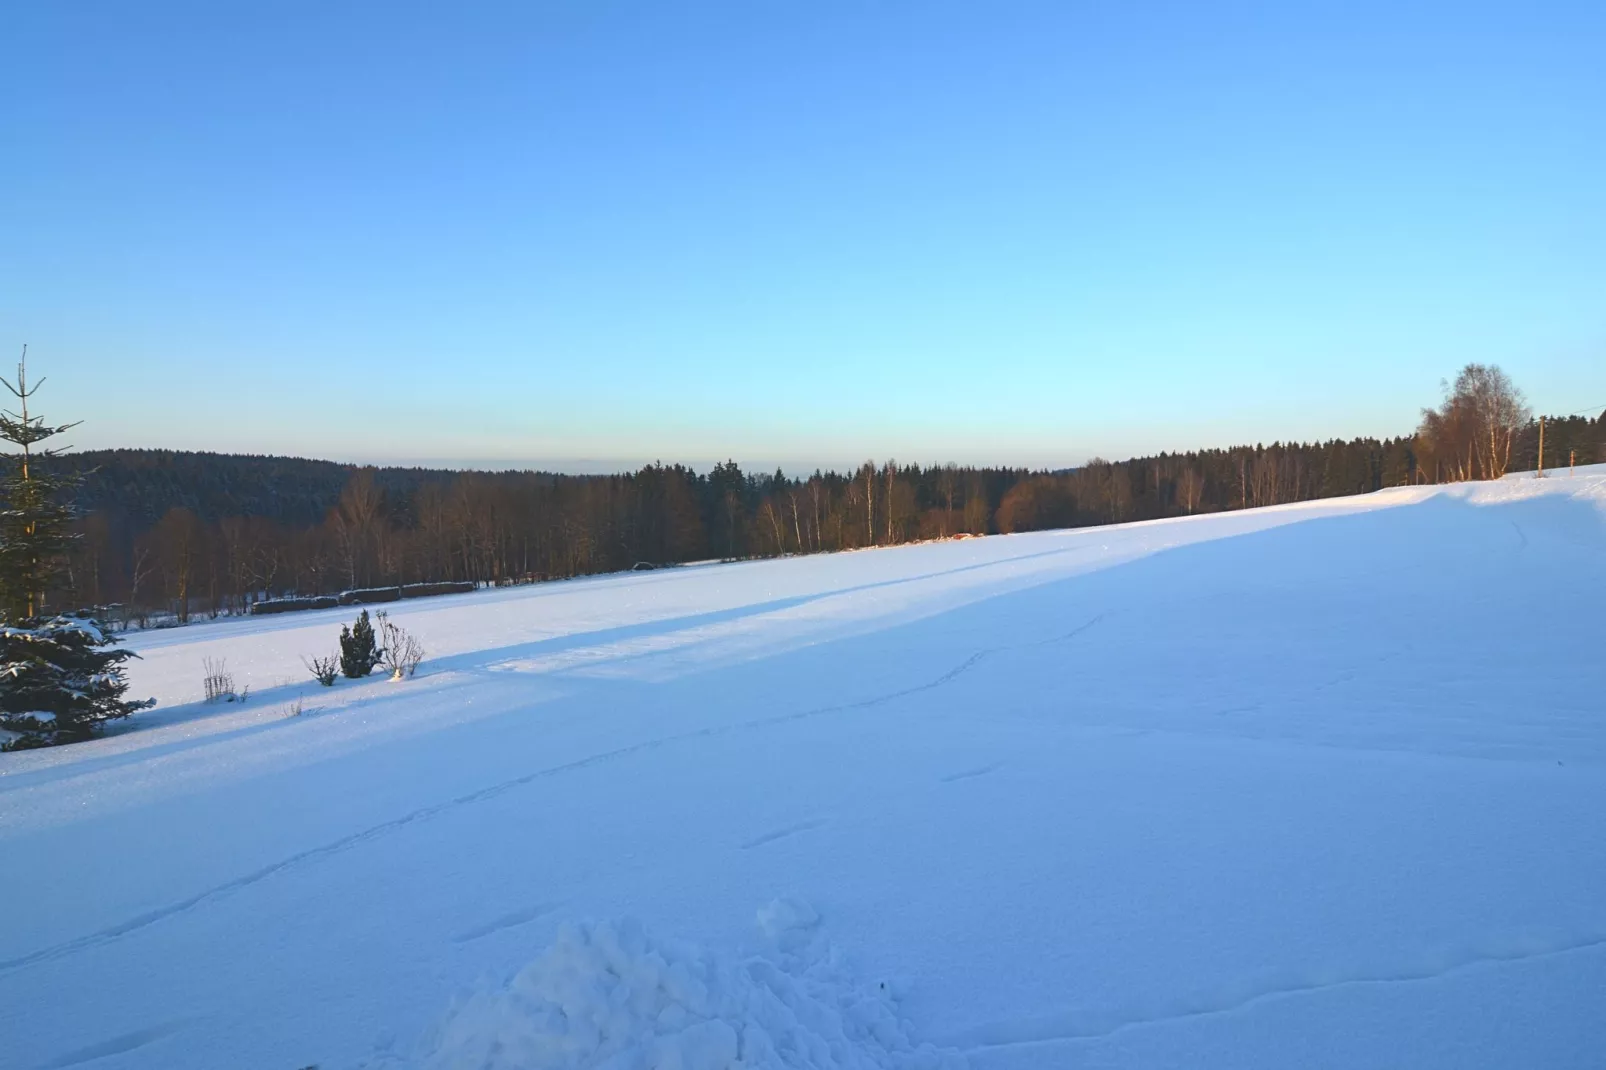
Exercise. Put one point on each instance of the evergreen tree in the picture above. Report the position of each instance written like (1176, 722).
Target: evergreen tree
(60, 679)
(359, 653)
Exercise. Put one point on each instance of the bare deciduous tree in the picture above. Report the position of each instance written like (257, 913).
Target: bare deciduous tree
(1469, 436)
(890, 473)
(179, 534)
(1190, 485)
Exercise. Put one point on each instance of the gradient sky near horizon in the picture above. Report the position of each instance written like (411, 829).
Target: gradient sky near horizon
(588, 235)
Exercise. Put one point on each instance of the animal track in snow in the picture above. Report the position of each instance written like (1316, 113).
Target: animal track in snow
(782, 833)
(117, 1045)
(506, 921)
(969, 774)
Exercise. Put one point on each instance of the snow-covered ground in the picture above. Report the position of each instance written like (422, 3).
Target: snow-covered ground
(1322, 785)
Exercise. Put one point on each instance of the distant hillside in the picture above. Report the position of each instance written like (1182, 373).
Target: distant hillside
(142, 485)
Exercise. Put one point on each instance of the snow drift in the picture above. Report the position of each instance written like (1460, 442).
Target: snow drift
(610, 996)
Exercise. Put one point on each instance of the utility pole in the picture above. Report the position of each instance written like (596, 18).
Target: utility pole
(1541, 473)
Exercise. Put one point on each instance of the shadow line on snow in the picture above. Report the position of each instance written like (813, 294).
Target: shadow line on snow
(233, 627)
(141, 921)
(376, 694)
(471, 661)
(480, 659)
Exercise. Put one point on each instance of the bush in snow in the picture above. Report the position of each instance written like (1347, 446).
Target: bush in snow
(359, 653)
(323, 670)
(218, 682)
(402, 650)
(59, 678)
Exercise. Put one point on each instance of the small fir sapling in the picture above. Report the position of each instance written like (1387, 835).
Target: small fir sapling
(359, 652)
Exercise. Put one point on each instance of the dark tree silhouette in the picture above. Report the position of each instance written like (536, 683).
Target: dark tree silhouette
(60, 678)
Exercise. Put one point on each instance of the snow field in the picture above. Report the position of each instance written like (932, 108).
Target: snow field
(1321, 785)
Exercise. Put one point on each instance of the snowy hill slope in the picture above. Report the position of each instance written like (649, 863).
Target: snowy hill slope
(1318, 785)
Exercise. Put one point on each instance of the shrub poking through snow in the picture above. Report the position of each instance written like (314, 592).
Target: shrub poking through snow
(402, 650)
(323, 670)
(359, 652)
(219, 682)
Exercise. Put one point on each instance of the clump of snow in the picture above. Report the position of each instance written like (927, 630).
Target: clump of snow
(789, 924)
(611, 996)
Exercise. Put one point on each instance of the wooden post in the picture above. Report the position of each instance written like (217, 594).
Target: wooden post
(1541, 473)
(1572, 462)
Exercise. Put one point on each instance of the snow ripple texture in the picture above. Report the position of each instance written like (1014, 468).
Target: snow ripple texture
(612, 996)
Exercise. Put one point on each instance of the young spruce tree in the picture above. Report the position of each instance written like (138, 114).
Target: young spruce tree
(359, 652)
(60, 679)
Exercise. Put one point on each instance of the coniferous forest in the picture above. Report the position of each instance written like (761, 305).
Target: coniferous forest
(168, 536)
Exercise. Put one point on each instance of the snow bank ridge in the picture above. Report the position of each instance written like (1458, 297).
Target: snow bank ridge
(610, 996)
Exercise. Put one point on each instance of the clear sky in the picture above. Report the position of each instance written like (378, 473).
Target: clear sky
(587, 235)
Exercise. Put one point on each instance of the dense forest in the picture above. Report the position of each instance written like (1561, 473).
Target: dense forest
(166, 535)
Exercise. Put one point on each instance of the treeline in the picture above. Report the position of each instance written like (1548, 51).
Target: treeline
(209, 534)
(182, 534)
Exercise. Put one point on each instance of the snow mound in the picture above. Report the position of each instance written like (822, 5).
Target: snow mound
(611, 996)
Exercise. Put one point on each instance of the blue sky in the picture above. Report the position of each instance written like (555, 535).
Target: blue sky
(588, 235)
